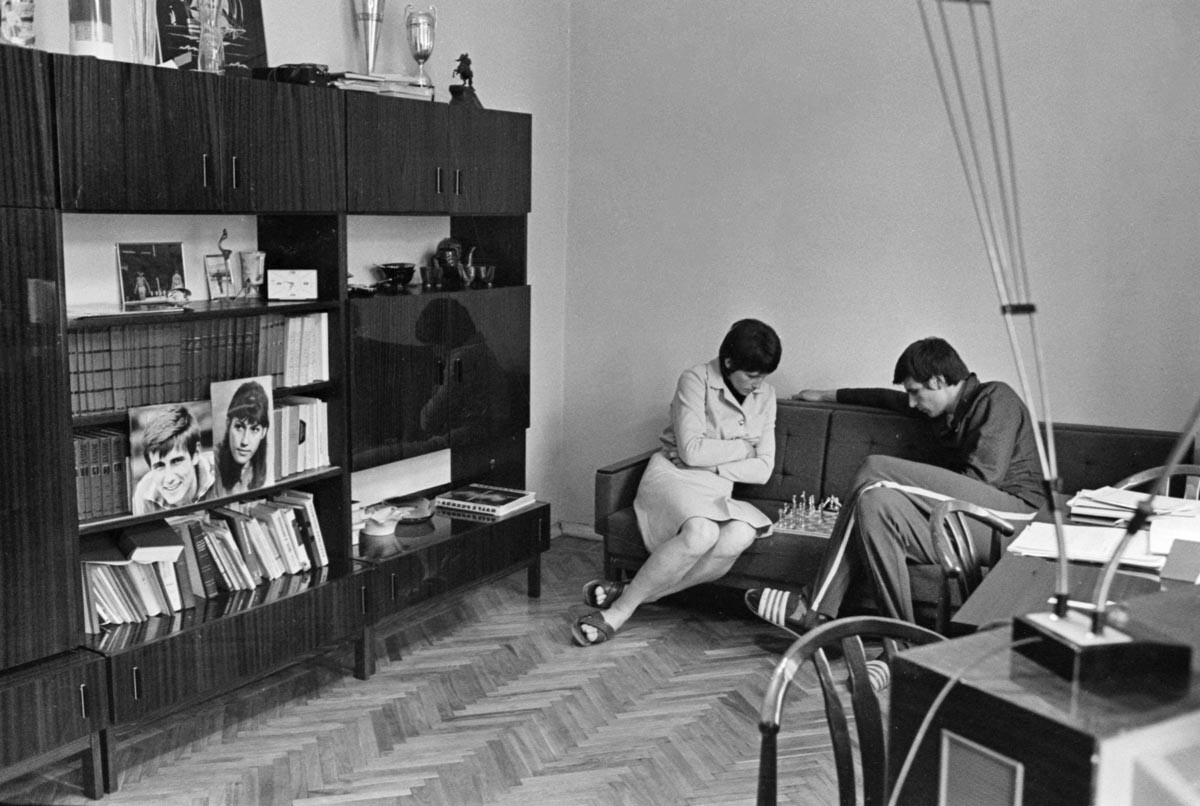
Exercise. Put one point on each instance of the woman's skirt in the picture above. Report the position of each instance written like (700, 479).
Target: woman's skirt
(669, 495)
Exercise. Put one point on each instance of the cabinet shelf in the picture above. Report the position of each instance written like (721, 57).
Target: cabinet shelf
(98, 525)
(206, 309)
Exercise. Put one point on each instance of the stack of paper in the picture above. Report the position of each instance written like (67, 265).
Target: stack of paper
(1086, 544)
(1117, 506)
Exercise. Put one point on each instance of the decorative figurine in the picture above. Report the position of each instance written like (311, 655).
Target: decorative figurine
(464, 93)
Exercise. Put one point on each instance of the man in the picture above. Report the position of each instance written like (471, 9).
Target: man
(179, 473)
(987, 456)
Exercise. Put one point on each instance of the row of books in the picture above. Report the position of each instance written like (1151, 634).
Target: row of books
(302, 424)
(101, 472)
(124, 366)
(161, 567)
(114, 637)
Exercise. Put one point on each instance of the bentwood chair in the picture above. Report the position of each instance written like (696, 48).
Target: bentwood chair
(962, 568)
(868, 680)
(1184, 481)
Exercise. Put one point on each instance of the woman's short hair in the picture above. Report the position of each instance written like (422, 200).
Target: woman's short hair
(927, 357)
(750, 346)
(250, 404)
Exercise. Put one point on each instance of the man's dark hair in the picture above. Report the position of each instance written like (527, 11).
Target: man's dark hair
(175, 426)
(750, 346)
(925, 358)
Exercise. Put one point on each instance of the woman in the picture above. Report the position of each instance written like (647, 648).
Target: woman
(722, 431)
(242, 452)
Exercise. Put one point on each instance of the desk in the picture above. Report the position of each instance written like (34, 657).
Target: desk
(1019, 585)
(1012, 732)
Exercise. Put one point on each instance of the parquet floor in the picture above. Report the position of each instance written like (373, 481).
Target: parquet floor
(482, 699)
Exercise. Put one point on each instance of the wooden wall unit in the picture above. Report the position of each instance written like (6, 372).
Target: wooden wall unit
(138, 140)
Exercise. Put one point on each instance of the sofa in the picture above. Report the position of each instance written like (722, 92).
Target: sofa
(819, 447)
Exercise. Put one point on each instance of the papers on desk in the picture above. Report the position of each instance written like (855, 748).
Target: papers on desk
(1117, 506)
(1148, 548)
(1094, 544)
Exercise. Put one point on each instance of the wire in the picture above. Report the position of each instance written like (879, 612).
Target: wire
(937, 703)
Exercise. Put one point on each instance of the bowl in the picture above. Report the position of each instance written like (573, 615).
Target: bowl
(397, 274)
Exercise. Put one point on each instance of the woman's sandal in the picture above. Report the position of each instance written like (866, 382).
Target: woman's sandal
(611, 591)
(604, 630)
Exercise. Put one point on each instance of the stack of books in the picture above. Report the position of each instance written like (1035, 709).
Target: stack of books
(484, 501)
(1112, 506)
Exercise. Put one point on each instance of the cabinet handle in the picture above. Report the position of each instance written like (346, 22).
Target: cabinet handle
(362, 595)
(204, 167)
(439, 179)
(458, 370)
(137, 682)
(83, 712)
(457, 182)
(441, 367)
(393, 587)
(235, 174)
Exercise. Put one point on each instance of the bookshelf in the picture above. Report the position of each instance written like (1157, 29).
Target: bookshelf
(122, 142)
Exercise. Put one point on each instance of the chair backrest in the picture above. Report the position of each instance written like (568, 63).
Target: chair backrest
(866, 680)
(948, 523)
(1184, 482)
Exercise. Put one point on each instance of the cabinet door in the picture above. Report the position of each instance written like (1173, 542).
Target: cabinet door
(40, 588)
(51, 706)
(133, 137)
(488, 364)
(285, 147)
(26, 130)
(156, 675)
(489, 161)
(396, 152)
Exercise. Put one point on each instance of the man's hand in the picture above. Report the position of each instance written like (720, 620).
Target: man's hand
(817, 395)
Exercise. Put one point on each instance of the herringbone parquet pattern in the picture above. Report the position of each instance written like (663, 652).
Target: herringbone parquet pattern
(482, 699)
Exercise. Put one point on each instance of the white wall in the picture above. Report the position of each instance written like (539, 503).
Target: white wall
(792, 161)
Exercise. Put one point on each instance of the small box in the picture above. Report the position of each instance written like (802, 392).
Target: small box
(291, 284)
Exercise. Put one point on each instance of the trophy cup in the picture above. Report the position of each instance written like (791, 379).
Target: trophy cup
(369, 15)
(419, 27)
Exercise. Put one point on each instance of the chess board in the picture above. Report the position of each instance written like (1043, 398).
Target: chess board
(806, 527)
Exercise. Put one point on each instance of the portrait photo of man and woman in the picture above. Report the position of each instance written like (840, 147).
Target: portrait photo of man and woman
(181, 453)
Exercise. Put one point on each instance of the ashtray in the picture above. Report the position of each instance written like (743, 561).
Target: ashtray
(409, 510)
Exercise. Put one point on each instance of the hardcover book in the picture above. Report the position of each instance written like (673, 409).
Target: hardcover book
(485, 499)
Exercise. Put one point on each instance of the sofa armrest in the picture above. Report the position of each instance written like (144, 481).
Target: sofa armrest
(616, 487)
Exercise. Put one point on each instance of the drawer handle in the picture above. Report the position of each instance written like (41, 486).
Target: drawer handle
(393, 587)
(137, 682)
(83, 711)
(362, 595)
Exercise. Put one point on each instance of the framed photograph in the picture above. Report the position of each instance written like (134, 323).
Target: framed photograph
(244, 456)
(220, 278)
(179, 33)
(151, 274)
(170, 455)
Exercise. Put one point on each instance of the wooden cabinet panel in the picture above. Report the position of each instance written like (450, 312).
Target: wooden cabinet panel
(61, 703)
(137, 138)
(435, 371)
(285, 147)
(428, 559)
(26, 129)
(489, 161)
(145, 139)
(396, 152)
(40, 608)
(157, 675)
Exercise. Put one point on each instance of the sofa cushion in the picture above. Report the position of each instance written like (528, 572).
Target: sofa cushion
(801, 436)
